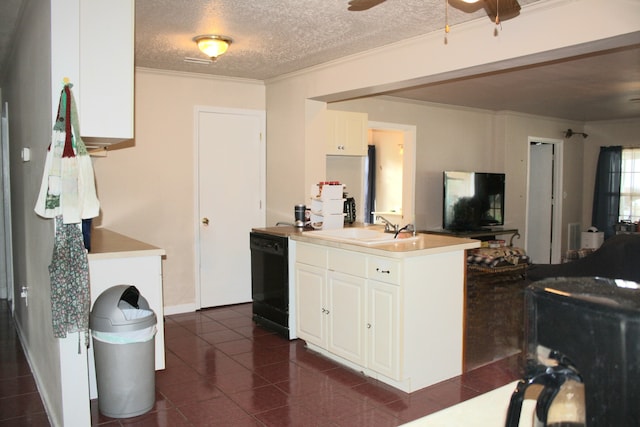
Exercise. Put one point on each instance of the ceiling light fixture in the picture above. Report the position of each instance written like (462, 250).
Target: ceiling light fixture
(212, 45)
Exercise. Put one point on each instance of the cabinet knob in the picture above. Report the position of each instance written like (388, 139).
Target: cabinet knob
(368, 325)
(205, 221)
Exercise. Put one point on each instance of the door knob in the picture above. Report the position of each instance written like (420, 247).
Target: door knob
(205, 221)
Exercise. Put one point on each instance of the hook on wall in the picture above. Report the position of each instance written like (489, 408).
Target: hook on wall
(569, 133)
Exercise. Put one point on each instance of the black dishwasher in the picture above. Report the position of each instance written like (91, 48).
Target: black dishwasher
(270, 281)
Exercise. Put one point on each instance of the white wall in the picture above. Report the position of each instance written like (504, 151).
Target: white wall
(147, 191)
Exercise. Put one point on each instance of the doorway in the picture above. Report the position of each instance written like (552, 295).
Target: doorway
(544, 201)
(230, 186)
(395, 175)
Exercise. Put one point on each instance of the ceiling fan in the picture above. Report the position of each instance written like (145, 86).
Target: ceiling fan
(497, 10)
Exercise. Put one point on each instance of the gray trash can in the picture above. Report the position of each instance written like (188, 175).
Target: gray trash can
(123, 330)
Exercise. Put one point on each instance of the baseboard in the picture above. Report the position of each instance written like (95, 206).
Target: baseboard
(179, 309)
(46, 402)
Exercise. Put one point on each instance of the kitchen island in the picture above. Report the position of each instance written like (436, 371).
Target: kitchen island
(392, 310)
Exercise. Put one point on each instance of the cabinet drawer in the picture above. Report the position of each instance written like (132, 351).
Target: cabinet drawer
(384, 269)
(311, 255)
(348, 262)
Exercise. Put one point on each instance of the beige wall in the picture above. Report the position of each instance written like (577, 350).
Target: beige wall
(580, 27)
(147, 191)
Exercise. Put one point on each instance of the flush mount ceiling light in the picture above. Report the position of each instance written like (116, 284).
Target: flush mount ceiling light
(212, 45)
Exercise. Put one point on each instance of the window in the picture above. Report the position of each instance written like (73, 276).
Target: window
(630, 185)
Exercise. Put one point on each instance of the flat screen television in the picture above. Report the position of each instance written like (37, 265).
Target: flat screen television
(472, 200)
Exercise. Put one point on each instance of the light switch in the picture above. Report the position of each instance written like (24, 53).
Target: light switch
(26, 154)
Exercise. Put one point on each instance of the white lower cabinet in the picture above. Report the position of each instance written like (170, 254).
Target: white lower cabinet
(383, 326)
(310, 303)
(346, 314)
(397, 319)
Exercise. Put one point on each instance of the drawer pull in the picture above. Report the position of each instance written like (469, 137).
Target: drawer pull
(383, 271)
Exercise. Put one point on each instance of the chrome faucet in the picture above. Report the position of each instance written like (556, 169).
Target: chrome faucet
(408, 227)
(388, 226)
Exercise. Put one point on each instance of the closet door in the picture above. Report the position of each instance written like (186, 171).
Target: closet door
(230, 194)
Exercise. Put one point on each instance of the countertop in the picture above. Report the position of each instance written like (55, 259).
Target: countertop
(281, 230)
(486, 410)
(107, 244)
(425, 244)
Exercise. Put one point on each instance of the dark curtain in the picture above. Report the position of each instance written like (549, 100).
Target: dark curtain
(370, 188)
(606, 195)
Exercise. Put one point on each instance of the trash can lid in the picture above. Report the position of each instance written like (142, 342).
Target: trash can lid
(115, 311)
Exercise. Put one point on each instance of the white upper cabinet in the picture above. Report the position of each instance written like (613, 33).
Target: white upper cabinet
(346, 133)
(105, 86)
(92, 43)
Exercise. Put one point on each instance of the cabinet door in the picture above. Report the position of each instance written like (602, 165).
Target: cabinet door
(310, 303)
(346, 337)
(383, 326)
(346, 133)
(106, 70)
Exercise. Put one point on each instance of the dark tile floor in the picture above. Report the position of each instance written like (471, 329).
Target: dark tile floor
(224, 370)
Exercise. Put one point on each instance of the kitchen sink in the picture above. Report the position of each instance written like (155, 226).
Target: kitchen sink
(363, 236)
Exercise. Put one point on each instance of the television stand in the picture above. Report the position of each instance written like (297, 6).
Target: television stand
(483, 235)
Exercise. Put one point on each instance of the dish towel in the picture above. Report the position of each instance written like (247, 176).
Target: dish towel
(68, 194)
(68, 186)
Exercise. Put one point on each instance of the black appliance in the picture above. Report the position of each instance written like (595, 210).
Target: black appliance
(270, 281)
(588, 330)
(349, 210)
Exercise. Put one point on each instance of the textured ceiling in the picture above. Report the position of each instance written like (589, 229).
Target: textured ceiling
(275, 37)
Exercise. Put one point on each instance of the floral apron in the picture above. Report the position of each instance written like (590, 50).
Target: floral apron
(69, 274)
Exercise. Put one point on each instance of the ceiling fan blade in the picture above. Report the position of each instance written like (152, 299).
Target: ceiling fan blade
(360, 5)
(506, 9)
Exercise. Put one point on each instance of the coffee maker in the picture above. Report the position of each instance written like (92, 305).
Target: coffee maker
(582, 340)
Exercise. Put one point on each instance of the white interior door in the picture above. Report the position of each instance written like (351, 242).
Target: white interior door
(540, 203)
(230, 159)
